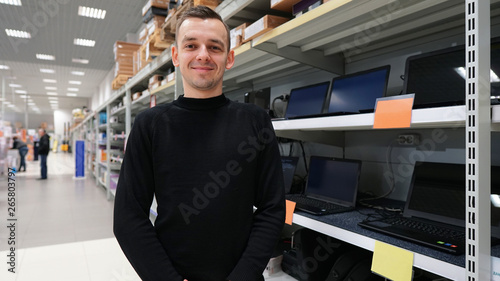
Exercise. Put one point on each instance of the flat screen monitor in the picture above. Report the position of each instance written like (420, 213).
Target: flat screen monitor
(358, 92)
(308, 100)
(438, 78)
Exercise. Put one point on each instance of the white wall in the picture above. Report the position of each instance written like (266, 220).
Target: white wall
(61, 117)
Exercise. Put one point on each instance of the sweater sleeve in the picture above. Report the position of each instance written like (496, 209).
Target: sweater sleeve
(269, 217)
(132, 226)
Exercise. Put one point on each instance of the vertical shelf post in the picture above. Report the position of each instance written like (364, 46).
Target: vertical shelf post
(108, 151)
(478, 133)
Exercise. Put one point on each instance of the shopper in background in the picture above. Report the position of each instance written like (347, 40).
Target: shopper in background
(23, 150)
(43, 152)
(208, 161)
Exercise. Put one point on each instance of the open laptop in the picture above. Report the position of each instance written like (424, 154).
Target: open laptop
(289, 164)
(357, 92)
(332, 186)
(436, 202)
(306, 100)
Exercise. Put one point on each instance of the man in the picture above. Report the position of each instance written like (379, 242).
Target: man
(43, 152)
(23, 150)
(208, 161)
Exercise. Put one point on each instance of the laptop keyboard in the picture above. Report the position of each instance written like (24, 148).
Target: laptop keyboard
(302, 200)
(431, 229)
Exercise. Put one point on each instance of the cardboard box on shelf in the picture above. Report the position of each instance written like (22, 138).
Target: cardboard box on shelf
(155, 78)
(162, 4)
(263, 25)
(124, 49)
(236, 35)
(283, 5)
(136, 95)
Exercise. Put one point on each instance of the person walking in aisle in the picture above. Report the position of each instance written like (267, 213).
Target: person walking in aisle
(43, 152)
(23, 150)
(208, 161)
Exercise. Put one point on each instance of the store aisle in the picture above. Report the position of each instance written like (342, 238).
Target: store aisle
(63, 229)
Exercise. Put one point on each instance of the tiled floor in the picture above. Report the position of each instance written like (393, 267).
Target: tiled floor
(63, 228)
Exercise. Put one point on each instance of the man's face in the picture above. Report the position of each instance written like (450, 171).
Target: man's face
(201, 53)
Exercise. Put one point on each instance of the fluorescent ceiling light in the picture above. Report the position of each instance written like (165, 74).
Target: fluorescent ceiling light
(11, 105)
(51, 94)
(75, 82)
(51, 88)
(17, 33)
(49, 80)
(15, 86)
(23, 96)
(82, 61)
(53, 101)
(11, 2)
(91, 12)
(53, 98)
(45, 57)
(71, 94)
(20, 92)
(6, 102)
(4, 67)
(73, 89)
(31, 103)
(84, 42)
(46, 70)
(78, 73)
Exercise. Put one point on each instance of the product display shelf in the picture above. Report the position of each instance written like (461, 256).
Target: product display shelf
(344, 227)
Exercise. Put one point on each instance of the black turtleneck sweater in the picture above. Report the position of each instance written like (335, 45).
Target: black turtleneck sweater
(208, 162)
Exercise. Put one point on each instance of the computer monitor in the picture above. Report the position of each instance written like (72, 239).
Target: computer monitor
(260, 98)
(308, 100)
(438, 78)
(358, 92)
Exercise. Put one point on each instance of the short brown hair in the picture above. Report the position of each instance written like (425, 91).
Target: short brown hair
(202, 12)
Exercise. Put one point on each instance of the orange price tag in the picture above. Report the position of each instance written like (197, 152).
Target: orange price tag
(290, 207)
(393, 112)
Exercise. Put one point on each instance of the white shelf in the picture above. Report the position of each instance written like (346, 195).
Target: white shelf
(433, 265)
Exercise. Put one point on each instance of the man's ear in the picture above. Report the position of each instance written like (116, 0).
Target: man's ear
(175, 55)
(230, 60)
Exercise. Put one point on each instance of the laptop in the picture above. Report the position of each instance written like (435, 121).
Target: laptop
(308, 100)
(434, 213)
(332, 186)
(289, 164)
(358, 92)
(437, 78)
(355, 93)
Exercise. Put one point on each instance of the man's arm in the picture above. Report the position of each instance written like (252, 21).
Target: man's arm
(132, 226)
(269, 217)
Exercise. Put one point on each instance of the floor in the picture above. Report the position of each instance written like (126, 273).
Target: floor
(63, 229)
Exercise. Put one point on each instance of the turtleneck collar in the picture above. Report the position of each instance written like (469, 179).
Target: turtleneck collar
(201, 104)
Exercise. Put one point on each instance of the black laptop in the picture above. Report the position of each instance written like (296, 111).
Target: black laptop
(289, 164)
(358, 92)
(332, 186)
(434, 213)
(308, 100)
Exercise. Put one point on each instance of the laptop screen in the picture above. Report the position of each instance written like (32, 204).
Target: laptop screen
(307, 100)
(333, 179)
(437, 192)
(438, 78)
(289, 164)
(359, 91)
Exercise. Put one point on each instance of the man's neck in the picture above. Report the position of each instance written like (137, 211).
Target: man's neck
(197, 94)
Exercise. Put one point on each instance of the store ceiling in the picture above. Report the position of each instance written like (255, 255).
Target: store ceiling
(54, 24)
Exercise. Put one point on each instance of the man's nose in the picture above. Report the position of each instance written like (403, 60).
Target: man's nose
(203, 54)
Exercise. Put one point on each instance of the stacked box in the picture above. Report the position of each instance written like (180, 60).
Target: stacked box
(162, 4)
(283, 5)
(236, 34)
(155, 81)
(124, 62)
(262, 26)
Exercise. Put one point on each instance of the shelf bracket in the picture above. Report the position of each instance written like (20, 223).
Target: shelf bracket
(334, 64)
